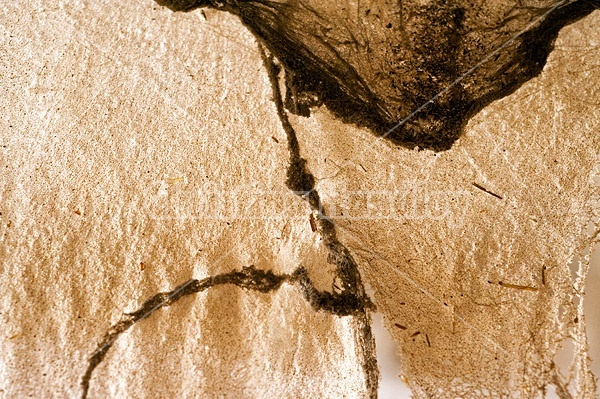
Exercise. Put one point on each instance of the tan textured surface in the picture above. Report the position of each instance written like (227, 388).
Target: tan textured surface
(118, 118)
(435, 254)
(118, 123)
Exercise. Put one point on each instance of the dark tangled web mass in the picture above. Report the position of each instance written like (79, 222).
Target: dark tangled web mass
(377, 63)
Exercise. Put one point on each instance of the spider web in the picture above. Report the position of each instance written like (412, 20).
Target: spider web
(118, 129)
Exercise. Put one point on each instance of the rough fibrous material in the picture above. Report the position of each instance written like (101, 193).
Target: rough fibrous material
(185, 214)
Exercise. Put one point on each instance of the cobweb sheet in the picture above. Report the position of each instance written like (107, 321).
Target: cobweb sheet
(468, 250)
(142, 148)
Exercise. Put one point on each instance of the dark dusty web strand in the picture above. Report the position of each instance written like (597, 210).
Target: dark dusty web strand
(250, 278)
(353, 295)
(352, 300)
